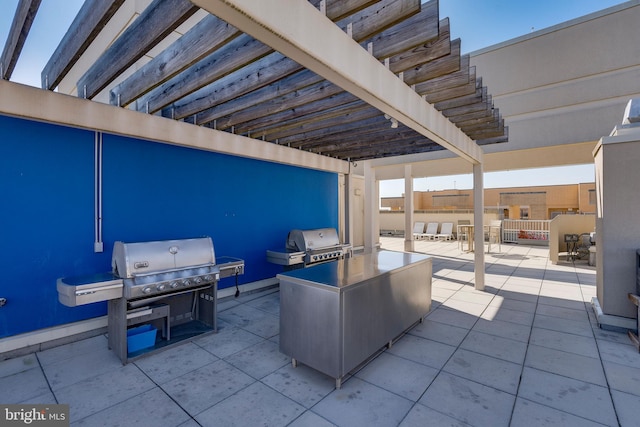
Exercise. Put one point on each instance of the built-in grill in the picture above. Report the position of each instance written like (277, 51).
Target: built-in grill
(174, 281)
(152, 269)
(308, 247)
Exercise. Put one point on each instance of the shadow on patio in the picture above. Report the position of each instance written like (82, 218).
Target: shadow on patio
(527, 351)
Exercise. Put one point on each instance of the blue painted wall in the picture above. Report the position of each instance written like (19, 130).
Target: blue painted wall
(151, 191)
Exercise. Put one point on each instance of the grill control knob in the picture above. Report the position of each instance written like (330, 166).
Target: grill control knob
(161, 287)
(186, 282)
(208, 278)
(146, 290)
(173, 285)
(197, 280)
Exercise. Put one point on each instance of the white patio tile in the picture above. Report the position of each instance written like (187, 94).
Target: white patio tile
(521, 293)
(471, 295)
(78, 367)
(359, 403)
(513, 304)
(565, 394)
(420, 415)
(495, 346)
(531, 414)
(253, 320)
(18, 364)
(623, 378)
(486, 370)
(470, 308)
(627, 408)
(23, 386)
(152, 408)
(174, 362)
(468, 401)
(309, 419)
(571, 343)
(507, 315)
(422, 350)
(269, 303)
(252, 406)
(622, 354)
(103, 391)
(452, 317)
(398, 375)
(228, 341)
(198, 390)
(259, 360)
(563, 325)
(559, 302)
(440, 332)
(570, 365)
(503, 329)
(64, 352)
(562, 312)
(301, 384)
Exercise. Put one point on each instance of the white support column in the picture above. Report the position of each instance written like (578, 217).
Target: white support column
(370, 208)
(478, 220)
(408, 209)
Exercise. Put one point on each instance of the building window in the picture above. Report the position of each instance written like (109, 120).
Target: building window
(592, 197)
(524, 212)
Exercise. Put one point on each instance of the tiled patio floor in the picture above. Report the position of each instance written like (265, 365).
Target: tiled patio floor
(526, 352)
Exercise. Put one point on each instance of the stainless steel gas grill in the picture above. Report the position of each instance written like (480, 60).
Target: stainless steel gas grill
(174, 282)
(308, 247)
(151, 269)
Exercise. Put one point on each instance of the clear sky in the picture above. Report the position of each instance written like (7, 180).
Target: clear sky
(478, 23)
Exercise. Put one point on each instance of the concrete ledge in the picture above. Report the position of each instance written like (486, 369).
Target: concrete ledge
(42, 339)
(609, 322)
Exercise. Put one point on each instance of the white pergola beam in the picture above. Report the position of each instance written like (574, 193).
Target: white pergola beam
(299, 31)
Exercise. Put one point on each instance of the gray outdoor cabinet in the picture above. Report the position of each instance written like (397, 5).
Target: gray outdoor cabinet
(335, 316)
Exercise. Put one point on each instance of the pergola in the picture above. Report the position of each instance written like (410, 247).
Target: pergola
(352, 80)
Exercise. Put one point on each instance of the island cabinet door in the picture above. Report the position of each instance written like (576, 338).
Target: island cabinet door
(310, 329)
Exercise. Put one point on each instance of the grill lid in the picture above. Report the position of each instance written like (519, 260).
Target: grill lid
(309, 240)
(141, 258)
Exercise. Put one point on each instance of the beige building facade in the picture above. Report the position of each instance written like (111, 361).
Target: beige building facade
(538, 202)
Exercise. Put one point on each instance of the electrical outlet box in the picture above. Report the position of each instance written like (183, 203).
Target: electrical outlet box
(98, 246)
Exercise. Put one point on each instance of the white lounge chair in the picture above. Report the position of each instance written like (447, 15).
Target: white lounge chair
(418, 230)
(446, 232)
(432, 231)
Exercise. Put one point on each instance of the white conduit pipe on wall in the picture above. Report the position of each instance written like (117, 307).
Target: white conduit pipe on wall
(97, 243)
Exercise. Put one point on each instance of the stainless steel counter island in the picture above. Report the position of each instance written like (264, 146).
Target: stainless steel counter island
(335, 316)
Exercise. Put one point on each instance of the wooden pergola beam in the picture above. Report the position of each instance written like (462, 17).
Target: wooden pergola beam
(324, 119)
(409, 33)
(20, 26)
(339, 9)
(292, 116)
(439, 67)
(254, 76)
(189, 88)
(231, 106)
(264, 112)
(90, 20)
(427, 51)
(154, 24)
(242, 52)
(266, 108)
(300, 139)
(255, 105)
(207, 36)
